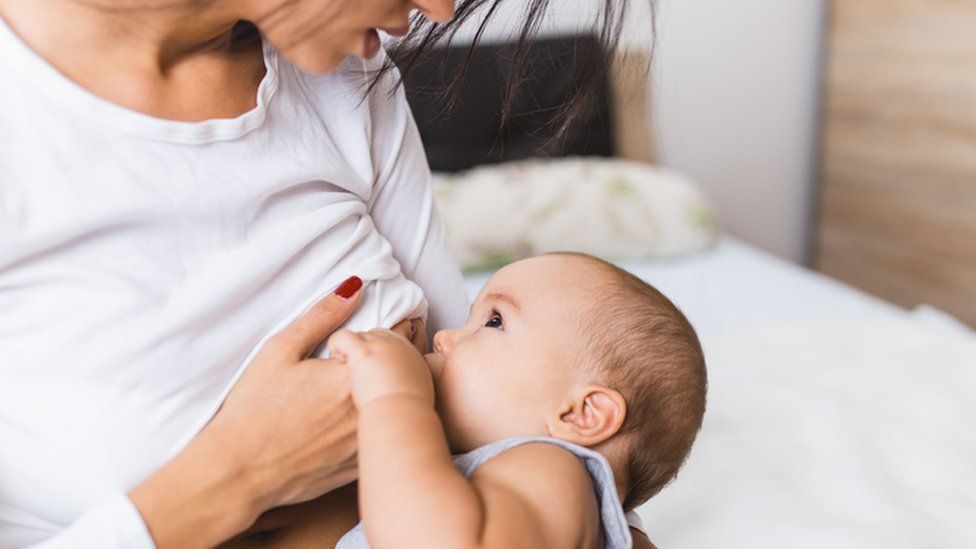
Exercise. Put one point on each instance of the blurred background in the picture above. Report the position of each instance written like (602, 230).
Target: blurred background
(733, 101)
(835, 135)
(799, 177)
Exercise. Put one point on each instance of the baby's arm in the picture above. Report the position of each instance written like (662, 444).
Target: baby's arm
(536, 495)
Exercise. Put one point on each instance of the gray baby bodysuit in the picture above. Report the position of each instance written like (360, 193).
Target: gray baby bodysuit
(615, 528)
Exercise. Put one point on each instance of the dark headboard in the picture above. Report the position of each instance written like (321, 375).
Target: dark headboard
(469, 134)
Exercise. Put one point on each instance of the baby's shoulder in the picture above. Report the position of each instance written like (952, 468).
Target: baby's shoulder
(553, 484)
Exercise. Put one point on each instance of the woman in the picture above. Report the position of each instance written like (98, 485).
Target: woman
(173, 193)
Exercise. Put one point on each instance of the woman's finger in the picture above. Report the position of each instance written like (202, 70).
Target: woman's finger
(300, 337)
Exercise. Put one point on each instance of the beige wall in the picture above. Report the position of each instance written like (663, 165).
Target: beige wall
(737, 92)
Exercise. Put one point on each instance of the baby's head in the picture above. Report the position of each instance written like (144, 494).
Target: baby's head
(569, 346)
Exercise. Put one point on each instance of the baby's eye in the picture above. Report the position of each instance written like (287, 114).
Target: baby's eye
(494, 321)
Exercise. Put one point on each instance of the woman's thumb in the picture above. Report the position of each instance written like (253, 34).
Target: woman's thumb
(300, 337)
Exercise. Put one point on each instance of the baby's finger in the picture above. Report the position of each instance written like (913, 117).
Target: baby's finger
(382, 334)
(404, 327)
(419, 335)
(347, 345)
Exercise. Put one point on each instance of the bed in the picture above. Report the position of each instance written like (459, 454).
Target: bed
(835, 419)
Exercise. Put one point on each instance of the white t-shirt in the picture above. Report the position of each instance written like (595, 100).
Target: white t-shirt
(143, 261)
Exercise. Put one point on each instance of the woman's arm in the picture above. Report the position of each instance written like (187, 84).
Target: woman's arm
(641, 541)
(637, 531)
(286, 433)
(403, 210)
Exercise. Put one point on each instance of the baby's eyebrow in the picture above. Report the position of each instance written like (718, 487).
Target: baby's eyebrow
(511, 301)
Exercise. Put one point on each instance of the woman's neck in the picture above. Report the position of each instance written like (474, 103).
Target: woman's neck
(164, 61)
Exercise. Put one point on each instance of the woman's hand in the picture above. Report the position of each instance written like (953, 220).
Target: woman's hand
(285, 434)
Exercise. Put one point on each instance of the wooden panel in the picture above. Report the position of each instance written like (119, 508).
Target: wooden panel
(630, 104)
(898, 203)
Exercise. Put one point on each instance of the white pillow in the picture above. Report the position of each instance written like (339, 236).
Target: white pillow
(610, 208)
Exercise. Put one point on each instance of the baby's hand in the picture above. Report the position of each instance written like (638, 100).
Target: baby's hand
(382, 363)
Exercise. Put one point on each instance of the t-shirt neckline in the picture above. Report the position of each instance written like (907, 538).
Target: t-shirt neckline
(28, 65)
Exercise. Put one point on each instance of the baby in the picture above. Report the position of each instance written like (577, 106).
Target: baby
(575, 388)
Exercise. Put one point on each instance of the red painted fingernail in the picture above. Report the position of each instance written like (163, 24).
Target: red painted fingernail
(349, 287)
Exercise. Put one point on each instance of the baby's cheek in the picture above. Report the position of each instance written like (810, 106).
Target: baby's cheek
(466, 413)
(446, 399)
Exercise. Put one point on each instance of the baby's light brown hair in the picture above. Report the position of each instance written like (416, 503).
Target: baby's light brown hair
(645, 348)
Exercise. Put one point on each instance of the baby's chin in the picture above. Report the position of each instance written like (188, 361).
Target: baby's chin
(459, 439)
(459, 443)
(455, 437)
(463, 437)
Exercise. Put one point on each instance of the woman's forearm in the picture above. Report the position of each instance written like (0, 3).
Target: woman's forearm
(410, 492)
(199, 499)
(286, 433)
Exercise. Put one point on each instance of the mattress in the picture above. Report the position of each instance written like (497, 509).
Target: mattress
(835, 419)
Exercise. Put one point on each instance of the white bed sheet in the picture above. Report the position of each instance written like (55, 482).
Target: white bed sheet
(835, 419)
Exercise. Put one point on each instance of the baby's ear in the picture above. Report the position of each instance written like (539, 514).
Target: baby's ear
(590, 416)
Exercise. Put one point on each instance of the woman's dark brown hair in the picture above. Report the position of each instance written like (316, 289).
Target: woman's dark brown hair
(588, 66)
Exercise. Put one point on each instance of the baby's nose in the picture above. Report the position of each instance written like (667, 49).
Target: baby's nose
(443, 341)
